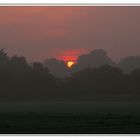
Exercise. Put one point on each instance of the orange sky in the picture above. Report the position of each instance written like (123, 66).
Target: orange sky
(43, 32)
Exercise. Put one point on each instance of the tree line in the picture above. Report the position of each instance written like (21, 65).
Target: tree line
(20, 81)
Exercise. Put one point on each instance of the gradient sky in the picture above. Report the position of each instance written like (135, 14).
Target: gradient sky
(44, 32)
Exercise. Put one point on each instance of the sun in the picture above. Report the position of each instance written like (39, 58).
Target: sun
(70, 64)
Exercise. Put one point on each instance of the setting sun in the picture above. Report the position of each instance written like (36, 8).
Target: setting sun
(70, 64)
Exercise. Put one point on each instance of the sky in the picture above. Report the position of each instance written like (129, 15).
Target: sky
(66, 32)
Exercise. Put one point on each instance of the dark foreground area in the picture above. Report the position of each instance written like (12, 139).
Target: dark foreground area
(69, 118)
(35, 123)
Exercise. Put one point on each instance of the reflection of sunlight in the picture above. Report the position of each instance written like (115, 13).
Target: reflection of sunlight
(70, 64)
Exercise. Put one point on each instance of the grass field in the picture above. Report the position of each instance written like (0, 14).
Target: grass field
(70, 118)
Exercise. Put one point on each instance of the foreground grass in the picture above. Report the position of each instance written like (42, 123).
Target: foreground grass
(59, 123)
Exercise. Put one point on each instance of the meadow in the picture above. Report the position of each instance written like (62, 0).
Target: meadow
(70, 118)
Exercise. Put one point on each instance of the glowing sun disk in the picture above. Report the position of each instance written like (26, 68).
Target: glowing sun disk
(70, 64)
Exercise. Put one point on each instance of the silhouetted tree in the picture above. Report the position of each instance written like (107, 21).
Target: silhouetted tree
(105, 81)
(57, 68)
(129, 64)
(94, 59)
(4, 59)
(21, 81)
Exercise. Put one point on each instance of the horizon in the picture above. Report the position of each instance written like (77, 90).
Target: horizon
(66, 58)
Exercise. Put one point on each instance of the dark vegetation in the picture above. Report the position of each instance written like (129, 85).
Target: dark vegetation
(35, 123)
(23, 82)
